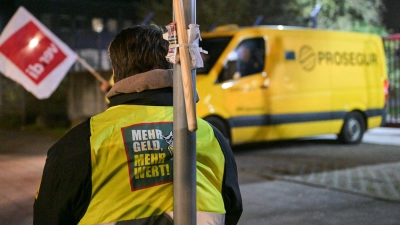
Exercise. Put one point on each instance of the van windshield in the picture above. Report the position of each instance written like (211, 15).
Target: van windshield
(214, 46)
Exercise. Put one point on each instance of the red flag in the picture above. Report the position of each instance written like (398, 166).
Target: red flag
(31, 55)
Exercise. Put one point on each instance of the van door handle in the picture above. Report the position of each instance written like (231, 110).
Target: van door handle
(265, 83)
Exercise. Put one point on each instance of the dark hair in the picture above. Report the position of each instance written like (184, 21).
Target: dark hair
(138, 49)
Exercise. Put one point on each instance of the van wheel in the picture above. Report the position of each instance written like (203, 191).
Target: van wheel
(220, 125)
(353, 128)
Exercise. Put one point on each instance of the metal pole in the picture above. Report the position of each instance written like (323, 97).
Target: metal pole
(23, 110)
(184, 145)
(1, 96)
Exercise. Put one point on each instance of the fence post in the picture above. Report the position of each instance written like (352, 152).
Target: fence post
(392, 51)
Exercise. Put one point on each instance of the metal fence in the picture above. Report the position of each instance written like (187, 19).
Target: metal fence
(392, 49)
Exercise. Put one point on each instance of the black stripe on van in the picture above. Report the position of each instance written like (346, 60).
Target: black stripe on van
(262, 120)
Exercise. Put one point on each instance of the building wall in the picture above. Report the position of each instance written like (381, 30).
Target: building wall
(87, 27)
(84, 96)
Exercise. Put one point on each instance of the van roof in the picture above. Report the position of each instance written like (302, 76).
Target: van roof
(235, 27)
(232, 29)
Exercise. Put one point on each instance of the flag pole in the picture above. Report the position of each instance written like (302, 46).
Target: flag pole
(91, 70)
(185, 67)
(185, 212)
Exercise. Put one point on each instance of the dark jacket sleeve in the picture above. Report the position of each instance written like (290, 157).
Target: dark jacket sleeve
(230, 187)
(65, 189)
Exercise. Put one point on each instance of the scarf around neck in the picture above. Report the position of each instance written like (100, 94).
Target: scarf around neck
(153, 79)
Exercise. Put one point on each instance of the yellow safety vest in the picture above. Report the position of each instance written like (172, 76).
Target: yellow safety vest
(132, 159)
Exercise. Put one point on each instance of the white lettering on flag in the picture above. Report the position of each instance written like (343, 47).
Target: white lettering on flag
(31, 55)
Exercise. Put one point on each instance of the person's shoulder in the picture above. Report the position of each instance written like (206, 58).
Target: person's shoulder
(75, 141)
(203, 125)
(78, 132)
(208, 129)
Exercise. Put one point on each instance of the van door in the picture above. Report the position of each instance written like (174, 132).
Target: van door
(245, 85)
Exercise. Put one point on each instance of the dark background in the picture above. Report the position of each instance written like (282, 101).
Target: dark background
(391, 17)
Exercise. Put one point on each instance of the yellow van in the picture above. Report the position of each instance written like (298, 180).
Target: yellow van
(276, 82)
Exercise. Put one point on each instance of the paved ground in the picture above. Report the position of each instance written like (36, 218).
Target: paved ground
(359, 196)
(22, 157)
(363, 195)
(380, 182)
(288, 203)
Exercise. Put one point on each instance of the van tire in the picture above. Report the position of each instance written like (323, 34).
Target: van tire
(220, 125)
(353, 128)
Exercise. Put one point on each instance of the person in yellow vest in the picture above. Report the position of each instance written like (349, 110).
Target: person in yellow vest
(117, 167)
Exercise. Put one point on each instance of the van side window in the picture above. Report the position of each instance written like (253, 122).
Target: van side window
(247, 59)
(214, 46)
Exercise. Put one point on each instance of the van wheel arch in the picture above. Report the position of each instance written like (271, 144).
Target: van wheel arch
(353, 128)
(221, 125)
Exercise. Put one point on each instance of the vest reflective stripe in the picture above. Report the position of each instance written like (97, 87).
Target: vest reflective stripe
(207, 218)
(203, 218)
(132, 162)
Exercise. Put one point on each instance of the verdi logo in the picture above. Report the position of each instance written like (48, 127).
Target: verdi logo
(149, 152)
(36, 60)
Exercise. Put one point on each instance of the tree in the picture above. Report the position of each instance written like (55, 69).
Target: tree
(350, 15)
(209, 13)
